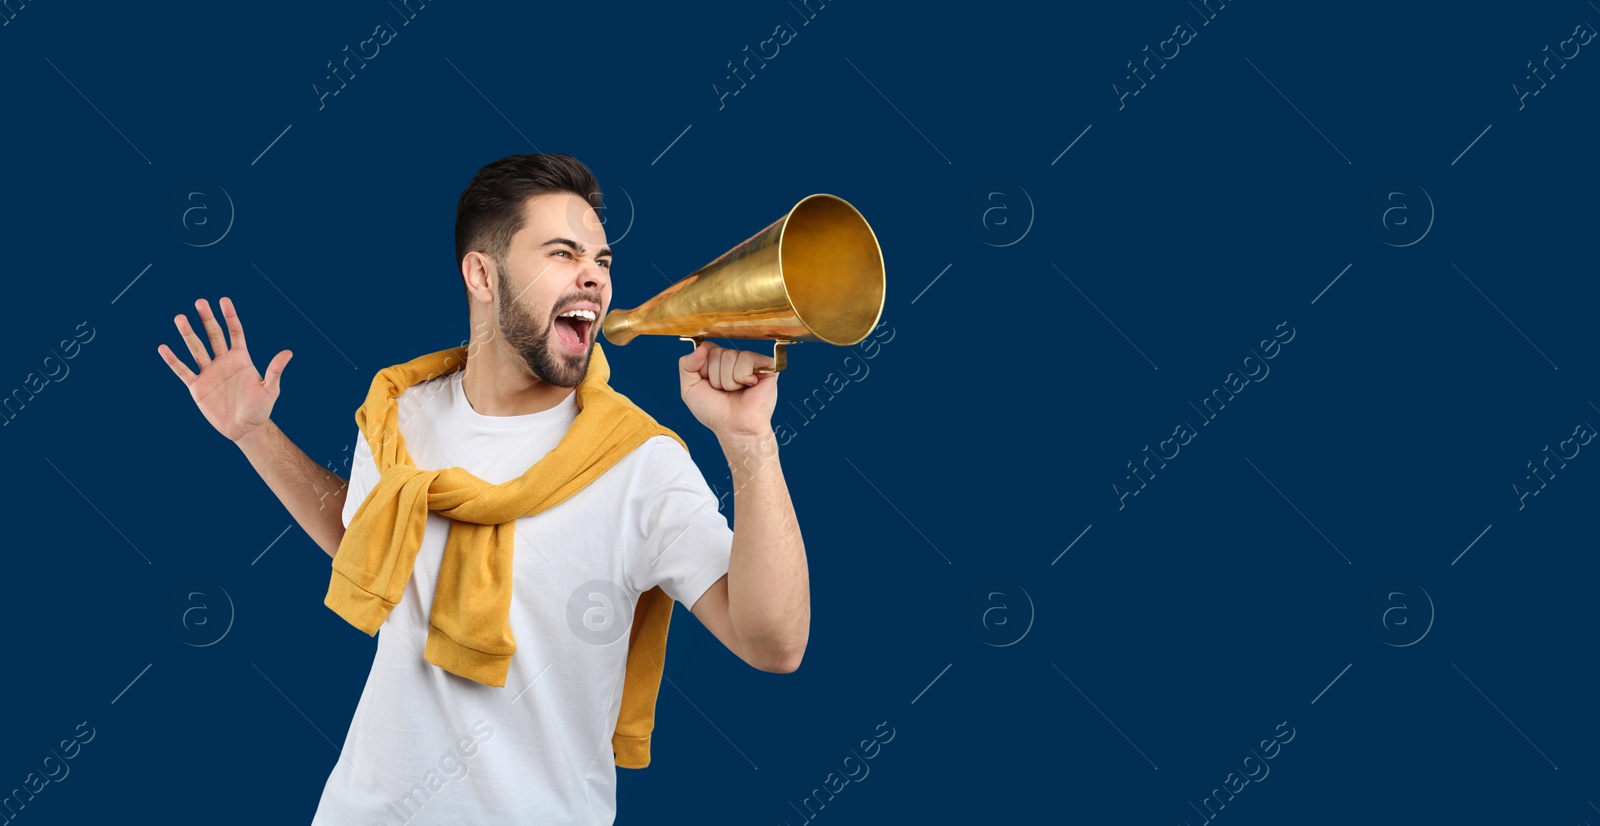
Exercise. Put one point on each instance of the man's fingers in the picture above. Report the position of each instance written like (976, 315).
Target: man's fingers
(178, 367)
(275, 369)
(219, 345)
(695, 362)
(235, 328)
(196, 349)
(748, 363)
(725, 368)
(727, 365)
(744, 367)
(739, 370)
(713, 369)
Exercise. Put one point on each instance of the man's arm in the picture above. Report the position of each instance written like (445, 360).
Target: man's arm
(762, 609)
(238, 402)
(313, 494)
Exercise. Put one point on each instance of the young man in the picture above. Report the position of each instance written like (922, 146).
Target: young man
(427, 745)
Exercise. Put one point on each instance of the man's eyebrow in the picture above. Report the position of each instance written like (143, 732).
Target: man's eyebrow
(605, 252)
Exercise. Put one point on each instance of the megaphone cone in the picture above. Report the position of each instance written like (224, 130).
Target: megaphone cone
(816, 274)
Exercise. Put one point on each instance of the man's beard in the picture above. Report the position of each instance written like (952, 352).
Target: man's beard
(536, 343)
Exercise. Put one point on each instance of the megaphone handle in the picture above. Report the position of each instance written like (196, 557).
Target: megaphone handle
(780, 359)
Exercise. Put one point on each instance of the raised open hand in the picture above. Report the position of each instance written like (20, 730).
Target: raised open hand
(232, 395)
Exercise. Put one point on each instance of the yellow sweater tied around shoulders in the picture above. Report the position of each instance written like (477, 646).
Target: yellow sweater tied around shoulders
(469, 629)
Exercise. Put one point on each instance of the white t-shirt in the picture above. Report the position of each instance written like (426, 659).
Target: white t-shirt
(429, 747)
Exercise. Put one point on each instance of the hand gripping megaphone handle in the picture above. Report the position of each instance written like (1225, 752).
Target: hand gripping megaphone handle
(780, 358)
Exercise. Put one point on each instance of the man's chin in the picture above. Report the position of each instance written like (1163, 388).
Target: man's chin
(575, 363)
(582, 371)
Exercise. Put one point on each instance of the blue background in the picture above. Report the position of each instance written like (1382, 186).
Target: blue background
(1066, 278)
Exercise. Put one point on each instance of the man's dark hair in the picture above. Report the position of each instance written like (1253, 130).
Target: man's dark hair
(491, 208)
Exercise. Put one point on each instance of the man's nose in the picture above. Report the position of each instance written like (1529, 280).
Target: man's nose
(592, 277)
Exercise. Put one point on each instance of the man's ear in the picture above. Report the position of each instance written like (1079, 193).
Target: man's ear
(478, 273)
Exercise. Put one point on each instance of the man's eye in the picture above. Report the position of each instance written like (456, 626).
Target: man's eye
(606, 264)
(561, 252)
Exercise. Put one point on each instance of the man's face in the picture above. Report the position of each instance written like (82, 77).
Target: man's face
(558, 262)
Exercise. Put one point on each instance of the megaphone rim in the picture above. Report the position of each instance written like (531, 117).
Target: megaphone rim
(882, 268)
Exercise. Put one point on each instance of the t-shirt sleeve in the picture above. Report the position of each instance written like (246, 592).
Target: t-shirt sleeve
(362, 472)
(686, 540)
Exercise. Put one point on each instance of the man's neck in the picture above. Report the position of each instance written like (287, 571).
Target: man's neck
(498, 384)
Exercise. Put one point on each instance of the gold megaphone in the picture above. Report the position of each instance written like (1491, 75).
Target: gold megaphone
(816, 274)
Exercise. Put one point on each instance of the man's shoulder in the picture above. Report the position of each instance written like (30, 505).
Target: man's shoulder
(422, 404)
(430, 393)
(657, 460)
(660, 451)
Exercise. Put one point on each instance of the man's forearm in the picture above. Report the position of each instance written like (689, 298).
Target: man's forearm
(313, 494)
(769, 590)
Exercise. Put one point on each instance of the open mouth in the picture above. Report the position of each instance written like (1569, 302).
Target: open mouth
(572, 328)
